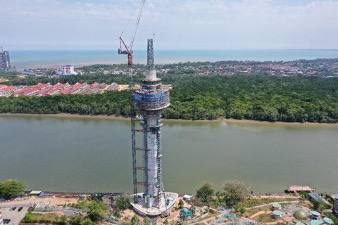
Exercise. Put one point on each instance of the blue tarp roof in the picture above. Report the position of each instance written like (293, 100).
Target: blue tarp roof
(277, 212)
(328, 220)
(317, 197)
(316, 222)
(315, 213)
(41, 194)
(276, 205)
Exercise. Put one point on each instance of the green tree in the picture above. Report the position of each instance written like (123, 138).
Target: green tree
(135, 220)
(242, 210)
(205, 193)
(96, 197)
(193, 211)
(235, 192)
(181, 204)
(117, 213)
(97, 210)
(87, 221)
(219, 198)
(122, 202)
(316, 204)
(146, 221)
(11, 188)
(78, 220)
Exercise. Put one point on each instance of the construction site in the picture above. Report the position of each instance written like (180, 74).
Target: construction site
(147, 102)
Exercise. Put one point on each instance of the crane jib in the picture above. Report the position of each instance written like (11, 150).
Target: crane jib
(127, 50)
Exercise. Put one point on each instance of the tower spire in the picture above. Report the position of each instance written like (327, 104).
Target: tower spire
(150, 55)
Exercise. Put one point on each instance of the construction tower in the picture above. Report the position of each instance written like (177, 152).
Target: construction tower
(149, 101)
(5, 65)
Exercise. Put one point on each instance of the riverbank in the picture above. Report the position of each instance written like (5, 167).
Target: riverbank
(219, 120)
(255, 122)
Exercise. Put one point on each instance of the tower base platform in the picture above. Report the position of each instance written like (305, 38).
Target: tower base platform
(164, 206)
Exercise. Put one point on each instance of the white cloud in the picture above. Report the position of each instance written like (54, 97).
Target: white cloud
(179, 24)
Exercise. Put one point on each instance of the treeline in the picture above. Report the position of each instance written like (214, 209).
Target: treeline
(264, 98)
(109, 103)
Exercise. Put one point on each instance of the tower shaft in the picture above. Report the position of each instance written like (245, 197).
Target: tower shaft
(151, 99)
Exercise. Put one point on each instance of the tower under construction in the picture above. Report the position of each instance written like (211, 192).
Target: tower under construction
(5, 64)
(149, 100)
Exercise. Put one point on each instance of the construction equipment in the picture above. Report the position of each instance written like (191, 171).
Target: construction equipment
(128, 50)
(124, 48)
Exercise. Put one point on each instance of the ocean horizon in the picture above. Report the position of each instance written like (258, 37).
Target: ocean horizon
(23, 59)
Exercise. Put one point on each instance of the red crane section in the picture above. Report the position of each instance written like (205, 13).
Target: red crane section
(124, 48)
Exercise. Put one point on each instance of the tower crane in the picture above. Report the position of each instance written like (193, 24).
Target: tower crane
(124, 48)
(128, 50)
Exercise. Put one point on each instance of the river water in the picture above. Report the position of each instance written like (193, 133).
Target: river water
(76, 154)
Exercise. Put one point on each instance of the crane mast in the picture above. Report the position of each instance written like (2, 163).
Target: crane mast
(128, 50)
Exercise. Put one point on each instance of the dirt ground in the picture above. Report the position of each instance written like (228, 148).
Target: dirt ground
(174, 214)
(46, 200)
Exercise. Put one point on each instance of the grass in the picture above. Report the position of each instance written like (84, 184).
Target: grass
(256, 202)
(210, 215)
(251, 212)
(40, 218)
(265, 218)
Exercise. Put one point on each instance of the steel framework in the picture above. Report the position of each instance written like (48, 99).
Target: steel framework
(128, 50)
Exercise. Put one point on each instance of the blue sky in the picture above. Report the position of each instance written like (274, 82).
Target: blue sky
(178, 24)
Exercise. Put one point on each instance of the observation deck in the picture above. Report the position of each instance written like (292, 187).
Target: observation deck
(152, 100)
(164, 206)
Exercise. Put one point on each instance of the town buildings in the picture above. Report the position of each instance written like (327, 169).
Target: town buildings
(66, 71)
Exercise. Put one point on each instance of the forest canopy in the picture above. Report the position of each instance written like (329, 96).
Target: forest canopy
(253, 97)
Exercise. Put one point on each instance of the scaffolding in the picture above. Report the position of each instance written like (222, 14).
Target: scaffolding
(152, 101)
(133, 132)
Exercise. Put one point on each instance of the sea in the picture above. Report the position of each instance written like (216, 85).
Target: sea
(52, 58)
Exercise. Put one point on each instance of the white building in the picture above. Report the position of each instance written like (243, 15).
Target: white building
(66, 70)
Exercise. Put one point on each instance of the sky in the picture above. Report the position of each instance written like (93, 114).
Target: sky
(177, 24)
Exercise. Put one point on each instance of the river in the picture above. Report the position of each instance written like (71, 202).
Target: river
(93, 155)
